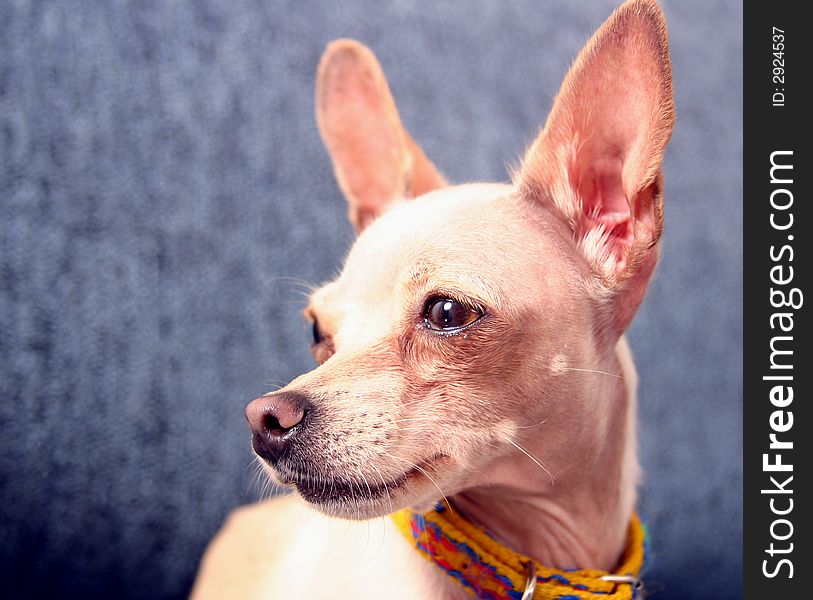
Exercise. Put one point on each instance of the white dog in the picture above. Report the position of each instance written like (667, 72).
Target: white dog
(471, 354)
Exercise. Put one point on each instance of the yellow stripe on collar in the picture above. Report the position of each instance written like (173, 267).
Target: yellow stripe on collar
(487, 569)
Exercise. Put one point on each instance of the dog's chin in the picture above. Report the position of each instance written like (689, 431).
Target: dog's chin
(370, 498)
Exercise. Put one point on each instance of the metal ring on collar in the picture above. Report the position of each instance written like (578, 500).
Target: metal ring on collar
(530, 581)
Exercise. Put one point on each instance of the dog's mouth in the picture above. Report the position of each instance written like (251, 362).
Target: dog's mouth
(334, 491)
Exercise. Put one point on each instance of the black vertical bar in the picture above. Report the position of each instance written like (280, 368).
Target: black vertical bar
(777, 194)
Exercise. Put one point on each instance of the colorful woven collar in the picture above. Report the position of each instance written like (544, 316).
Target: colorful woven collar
(487, 569)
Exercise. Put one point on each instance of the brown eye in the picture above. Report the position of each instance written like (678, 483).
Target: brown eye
(445, 314)
(322, 346)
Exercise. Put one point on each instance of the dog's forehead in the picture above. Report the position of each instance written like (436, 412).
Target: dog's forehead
(474, 236)
(452, 226)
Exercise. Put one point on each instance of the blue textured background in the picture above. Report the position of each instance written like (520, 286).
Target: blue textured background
(161, 178)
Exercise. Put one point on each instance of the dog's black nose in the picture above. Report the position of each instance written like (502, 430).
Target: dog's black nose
(275, 420)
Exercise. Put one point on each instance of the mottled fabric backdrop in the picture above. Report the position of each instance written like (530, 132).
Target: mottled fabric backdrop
(163, 190)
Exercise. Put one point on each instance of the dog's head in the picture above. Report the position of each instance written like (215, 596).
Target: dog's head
(467, 315)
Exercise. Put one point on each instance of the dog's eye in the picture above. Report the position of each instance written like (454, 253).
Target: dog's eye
(317, 335)
(322, 346)
(445, 314)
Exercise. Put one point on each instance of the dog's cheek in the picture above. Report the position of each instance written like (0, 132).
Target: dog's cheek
(468, 380)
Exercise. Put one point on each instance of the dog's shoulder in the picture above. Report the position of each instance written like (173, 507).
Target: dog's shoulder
(284, 544)
(236, 563)
(275, 516)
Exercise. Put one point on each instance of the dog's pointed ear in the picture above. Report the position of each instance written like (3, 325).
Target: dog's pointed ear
(598, 159)
(375, 159)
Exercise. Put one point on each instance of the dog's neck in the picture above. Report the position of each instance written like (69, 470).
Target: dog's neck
(580, 520)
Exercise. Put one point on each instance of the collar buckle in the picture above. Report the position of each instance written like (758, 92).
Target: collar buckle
(530, 582)
(634, 582)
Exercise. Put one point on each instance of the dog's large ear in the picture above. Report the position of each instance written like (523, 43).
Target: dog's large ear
(375, 159)
(598, 159)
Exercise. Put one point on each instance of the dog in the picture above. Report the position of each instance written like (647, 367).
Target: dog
(471, 422)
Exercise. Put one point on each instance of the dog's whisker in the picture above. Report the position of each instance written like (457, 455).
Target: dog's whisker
(268, 484)
(542, 422)
(617, 376)
(533, 458)
(259, 480)
(360, 473)
(324, 486)
(307, 285)
(364, 479)
(427, 475)
(276, 383)
(418, 419)
(386, 488)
